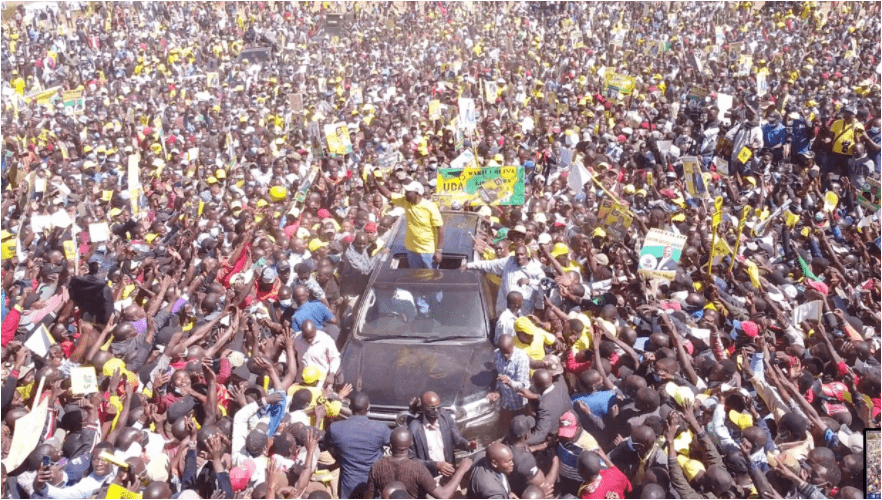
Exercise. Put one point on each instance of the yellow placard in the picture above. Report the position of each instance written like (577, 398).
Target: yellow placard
(744, 154)
(435, 110)
(70, 250)
(117, 491)
(106, 195)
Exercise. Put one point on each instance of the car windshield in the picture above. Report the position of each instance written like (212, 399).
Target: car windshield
(256, 56)
(423, 312)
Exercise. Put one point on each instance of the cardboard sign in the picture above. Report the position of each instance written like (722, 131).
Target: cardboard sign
(467, 117)
(356, 95)
(618, 86)
(809, 311)
(296, 101)
(487, 186)
(28, 430)
(762, 84)
(337, 135)
(117, 491)
(697, 94)
(83, 380)
(831, 199)
(490, 92)
(660, 254)
(463, 161)
(70, 250)
(617, 222)
(618, 37)
(98, 232)
(694, 179)
(40, 341)
(74, 104)
(435, 109)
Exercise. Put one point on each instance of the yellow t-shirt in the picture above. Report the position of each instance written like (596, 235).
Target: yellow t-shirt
(19, 85)
(843, 132)
(536, 348)
(422, 219)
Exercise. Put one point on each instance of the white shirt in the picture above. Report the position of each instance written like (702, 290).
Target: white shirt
(434, 442)
(85, 488)
(505, 324)
(321, 353)
(241, 428)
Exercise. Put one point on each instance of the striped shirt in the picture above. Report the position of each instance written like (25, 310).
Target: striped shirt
(516, 368)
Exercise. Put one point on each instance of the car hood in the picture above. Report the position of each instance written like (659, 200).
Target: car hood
(393, 374)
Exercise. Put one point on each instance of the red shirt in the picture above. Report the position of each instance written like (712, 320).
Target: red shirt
(611, 481)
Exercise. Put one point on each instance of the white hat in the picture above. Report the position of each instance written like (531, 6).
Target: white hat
(414, 186)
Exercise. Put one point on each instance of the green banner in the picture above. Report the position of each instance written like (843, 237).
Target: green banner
(481, 186)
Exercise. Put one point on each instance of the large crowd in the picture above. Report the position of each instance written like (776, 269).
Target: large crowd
(195, 195)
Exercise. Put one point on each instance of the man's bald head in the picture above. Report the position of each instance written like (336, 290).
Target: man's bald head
(400, 440)
(542, 379)
(500, 457)
(429, 399)
(157, 489)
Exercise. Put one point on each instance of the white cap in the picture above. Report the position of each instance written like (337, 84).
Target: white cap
(414, 186)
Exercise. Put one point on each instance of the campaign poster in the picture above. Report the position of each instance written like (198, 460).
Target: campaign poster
(660, 254)
(481, 186)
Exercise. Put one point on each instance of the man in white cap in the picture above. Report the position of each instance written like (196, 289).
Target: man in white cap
(425, 231)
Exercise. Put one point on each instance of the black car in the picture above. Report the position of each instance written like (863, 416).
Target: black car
(415, 330)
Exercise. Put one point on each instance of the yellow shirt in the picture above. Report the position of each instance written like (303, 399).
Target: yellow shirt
(843, 132)
(536, 348)
(422, 219)
(19, 85)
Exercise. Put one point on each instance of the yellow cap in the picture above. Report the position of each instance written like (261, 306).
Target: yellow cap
(311, 375)
(278, 193)
(315, 244)
(560, 249)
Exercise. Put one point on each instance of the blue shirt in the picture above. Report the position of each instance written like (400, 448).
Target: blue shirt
(315, 311)
(774, 135)
(598, 402)
(359, 442)
(802, 137)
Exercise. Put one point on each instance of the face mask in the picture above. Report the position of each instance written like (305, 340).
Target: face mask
(286, 302)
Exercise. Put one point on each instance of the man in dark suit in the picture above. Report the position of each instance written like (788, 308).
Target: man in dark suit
(436, 436)
(554, 401)
(358, 443)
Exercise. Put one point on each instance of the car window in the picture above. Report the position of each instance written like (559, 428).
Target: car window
(422, 311)
(260, 55)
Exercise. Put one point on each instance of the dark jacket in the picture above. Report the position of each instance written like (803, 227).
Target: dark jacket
(551, 407)
(486, 483)
(450, 435)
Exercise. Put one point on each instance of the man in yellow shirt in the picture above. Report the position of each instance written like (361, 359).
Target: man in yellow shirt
(18, 83)
(844, 134)
(425, 230)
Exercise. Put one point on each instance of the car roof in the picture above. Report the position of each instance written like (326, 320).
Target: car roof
(388, 276)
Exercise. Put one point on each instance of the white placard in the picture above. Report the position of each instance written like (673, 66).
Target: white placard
(99, 232)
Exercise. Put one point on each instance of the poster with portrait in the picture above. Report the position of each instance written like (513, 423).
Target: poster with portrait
(660, 254)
